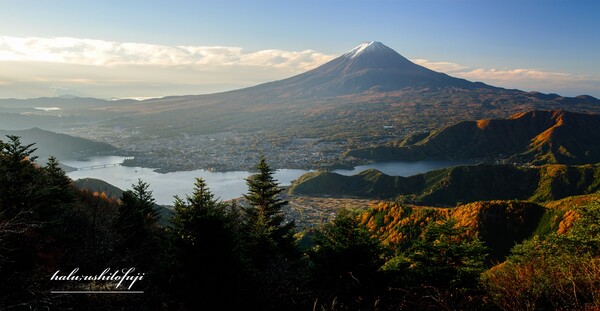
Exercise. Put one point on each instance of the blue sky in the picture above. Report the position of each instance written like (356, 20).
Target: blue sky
(551, 46)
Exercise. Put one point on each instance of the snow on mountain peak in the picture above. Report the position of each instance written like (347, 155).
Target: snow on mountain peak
(363, 47)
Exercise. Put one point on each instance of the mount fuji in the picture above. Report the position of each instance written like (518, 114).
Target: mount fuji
(370, 91)
(370, 67)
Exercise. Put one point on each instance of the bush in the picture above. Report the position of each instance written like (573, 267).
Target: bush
(558, 271)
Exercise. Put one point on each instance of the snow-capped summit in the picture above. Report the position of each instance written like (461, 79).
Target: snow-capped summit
(365, 47)
(369, 67)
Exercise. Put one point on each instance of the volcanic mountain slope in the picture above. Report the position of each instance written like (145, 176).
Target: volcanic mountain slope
(368, 68)
(350, 97)
(537, 137)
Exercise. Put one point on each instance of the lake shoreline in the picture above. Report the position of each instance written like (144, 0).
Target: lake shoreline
(226, 185)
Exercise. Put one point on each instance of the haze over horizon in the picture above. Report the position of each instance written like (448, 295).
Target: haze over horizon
(155, 49)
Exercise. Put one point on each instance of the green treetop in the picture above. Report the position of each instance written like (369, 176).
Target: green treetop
(268, 231)
(193, 214)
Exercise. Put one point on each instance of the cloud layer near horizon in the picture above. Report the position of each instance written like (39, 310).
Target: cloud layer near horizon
(520, 78)
(36, 66)
(107, 53)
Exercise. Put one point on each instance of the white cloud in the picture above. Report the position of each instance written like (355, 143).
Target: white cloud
(536, 80)
(464, 71)
(520, 78)
(446, 67)
(34, 66)
(107, 53)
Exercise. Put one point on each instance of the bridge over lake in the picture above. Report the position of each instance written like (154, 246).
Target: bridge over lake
(98, 166)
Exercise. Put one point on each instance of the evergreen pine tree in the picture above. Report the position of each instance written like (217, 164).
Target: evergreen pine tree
(140, 198)
(346, 259)
(277, 275)
(136, 223)
(31, 209)
(204, 250)
(190, 214)
(19, 178)
(268, 232)
(19, 225)
(57, 188)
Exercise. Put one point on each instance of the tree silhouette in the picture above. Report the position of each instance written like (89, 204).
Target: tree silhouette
(276, 272)
(345, 261)
(19, 179)
(206, 264)
(136, 223)
(269, 234)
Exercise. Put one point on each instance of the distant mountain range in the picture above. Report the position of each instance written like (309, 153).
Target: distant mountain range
(537, 137)
(461, 184)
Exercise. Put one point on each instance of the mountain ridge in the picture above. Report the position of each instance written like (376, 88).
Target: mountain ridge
(62, 146)
(536, 136)
(459, 184)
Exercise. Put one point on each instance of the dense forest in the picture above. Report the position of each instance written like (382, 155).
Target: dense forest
(511, 255)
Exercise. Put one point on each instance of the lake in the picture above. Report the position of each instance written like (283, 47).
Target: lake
(225, 185)
(405, 168)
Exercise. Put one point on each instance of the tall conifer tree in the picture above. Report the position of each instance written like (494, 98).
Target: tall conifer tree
(268, 232)
(19, 179)
(136, 223)
(204, 250)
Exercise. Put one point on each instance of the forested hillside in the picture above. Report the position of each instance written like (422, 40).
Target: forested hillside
(460, 184)
(537, 137)
(221, 255)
